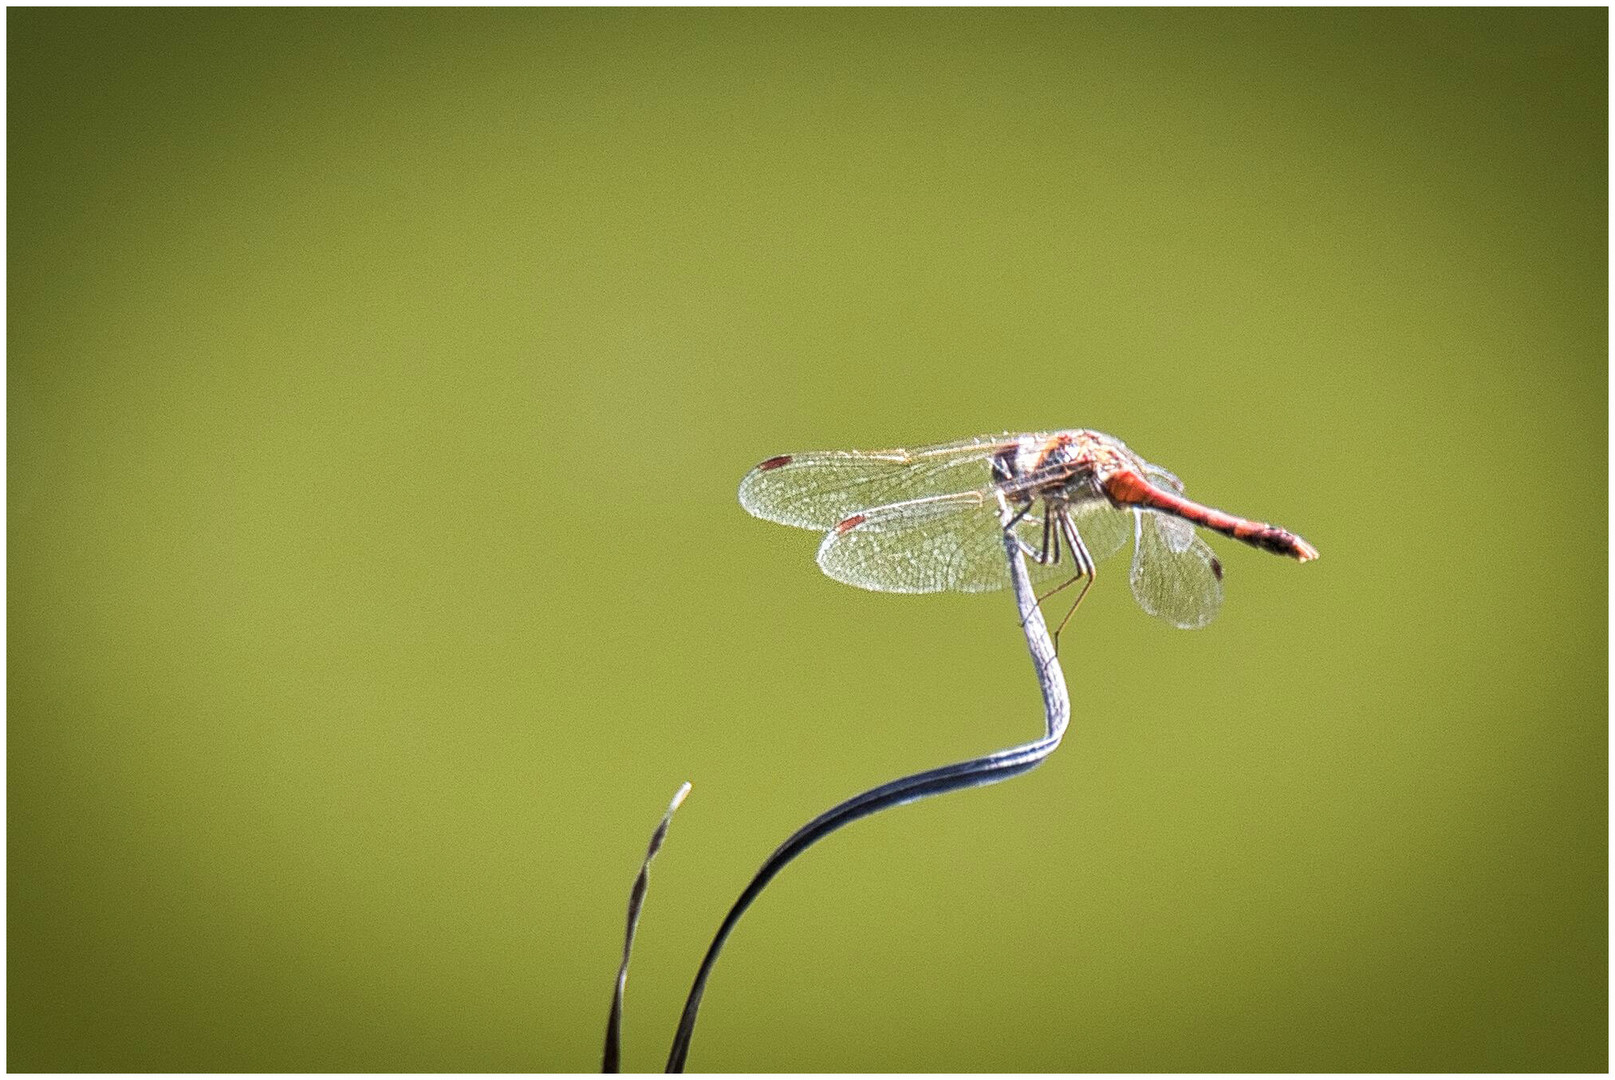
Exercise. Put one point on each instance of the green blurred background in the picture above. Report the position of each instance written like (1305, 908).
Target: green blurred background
(379, 383)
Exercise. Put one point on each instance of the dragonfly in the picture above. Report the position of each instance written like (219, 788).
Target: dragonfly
(932, 519)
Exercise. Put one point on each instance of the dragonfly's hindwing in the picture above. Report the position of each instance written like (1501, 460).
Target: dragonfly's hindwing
(1175, 574)
(950, 542)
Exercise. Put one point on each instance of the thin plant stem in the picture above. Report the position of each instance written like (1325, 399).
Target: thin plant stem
(989, 769)
(612, 1060)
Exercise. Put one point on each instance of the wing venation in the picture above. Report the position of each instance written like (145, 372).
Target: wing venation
(819, 489)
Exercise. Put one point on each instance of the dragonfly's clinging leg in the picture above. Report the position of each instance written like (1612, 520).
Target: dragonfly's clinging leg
(1047, 559)
(1086, 571)
(1085, 568)
(1021, 515)
(1028, 550)
(1063, 586)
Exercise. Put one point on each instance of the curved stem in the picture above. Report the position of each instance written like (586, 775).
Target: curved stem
(988, 769)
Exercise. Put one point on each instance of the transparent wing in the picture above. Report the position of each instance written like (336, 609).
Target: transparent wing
(943, 543)
(1157, 475)
(1175, 581)
(820, 489)
(1105, 529)
(1179, 534)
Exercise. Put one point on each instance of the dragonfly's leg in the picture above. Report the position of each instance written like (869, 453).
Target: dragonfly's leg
(1079, 552)
(1085, 568)
(1043, 555)
(1055, 520)
(1066, 584)
(1020, 515)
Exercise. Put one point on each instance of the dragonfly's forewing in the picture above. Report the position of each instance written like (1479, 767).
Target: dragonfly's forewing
(820, 489)
(1173, 578)
(939, 544)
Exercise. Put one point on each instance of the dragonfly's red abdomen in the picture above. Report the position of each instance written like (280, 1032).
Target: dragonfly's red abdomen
(1127, 488)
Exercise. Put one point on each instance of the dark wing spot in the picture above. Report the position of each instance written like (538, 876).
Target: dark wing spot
(1216, 568)
(774, 463)
(849, 524)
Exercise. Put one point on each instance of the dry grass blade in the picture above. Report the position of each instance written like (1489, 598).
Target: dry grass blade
(1000, 765)
(612, 1061)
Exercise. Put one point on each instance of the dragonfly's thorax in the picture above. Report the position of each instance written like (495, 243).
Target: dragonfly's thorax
(1066, 467)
